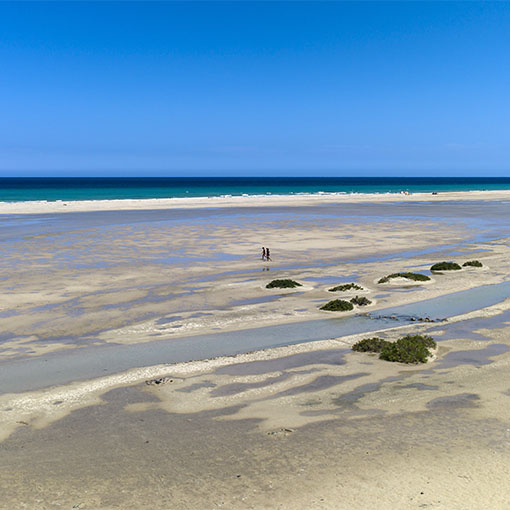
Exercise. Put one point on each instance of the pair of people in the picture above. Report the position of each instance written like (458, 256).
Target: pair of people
(266, 254)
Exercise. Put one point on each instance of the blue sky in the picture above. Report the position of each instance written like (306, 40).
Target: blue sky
(206, 88)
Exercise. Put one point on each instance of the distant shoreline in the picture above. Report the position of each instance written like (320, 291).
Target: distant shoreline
(51, 189)
(62, 206)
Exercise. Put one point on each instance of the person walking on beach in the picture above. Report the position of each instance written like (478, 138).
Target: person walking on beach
(263, 253)
(267, 254)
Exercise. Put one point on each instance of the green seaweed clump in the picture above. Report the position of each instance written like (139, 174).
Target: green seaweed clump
(445, 266)
(337, 305)
(361, 301)
(345, 287)
(417, 277)
(282, 284)
(472, 263)
(374, 344)
(408, 349)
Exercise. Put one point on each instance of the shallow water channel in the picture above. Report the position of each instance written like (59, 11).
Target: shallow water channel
(89, 362)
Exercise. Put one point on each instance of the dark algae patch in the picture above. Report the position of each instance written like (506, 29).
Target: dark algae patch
(337, 305)
(282, 284)
(409, 349)
(374, 344)
(417, 277)
(472, 263)
(345, 287)
(445, 266)
(360, 301)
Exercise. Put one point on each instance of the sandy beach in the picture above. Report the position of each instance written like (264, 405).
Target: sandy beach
(144, 363)
(302, 199)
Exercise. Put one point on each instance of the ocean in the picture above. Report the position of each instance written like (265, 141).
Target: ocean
(52, 189)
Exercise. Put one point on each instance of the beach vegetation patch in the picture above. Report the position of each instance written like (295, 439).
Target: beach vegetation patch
(445, 266)
(361, 301)
(374, 344)
(282, 284)
(472, 263)
(409, 349)
(337, 305)
(417, 277)
(345, 287)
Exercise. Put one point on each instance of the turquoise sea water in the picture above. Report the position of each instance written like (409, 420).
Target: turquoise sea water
(50, 189)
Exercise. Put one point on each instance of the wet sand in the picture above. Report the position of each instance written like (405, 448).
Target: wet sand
(312, 425)
(323, 428)
(96, 278)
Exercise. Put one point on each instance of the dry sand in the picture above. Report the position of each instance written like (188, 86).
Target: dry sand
(298, 427)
